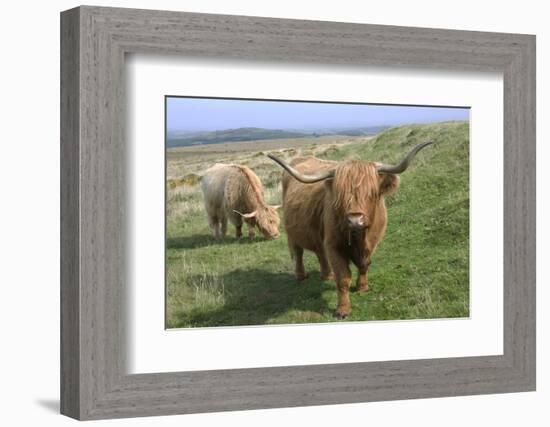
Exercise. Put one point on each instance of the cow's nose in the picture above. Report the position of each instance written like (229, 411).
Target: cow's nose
(357, 221)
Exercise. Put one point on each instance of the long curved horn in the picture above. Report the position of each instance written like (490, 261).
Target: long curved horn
(402, 167)
(306, 179)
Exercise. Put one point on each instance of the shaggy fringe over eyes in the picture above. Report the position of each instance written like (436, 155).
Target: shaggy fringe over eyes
(354, 181)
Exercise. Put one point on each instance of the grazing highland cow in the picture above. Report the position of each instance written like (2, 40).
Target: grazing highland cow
(337, 210)
(235, 192)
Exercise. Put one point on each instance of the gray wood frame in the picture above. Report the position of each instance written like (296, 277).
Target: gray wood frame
(94, 41)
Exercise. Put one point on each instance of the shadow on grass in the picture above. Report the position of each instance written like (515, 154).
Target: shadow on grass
(256, 297)
(202, 240)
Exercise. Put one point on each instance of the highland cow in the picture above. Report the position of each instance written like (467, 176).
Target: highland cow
(337, 210)
(233, 192)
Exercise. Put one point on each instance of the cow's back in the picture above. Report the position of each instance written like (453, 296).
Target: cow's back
(231, 187)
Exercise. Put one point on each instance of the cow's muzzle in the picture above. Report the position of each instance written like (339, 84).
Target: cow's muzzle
(357, 221)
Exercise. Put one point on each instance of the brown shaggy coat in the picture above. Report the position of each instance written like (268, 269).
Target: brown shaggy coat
(235, 193)
(316, 219)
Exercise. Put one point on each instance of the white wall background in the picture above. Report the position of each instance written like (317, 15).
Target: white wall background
(29, 212)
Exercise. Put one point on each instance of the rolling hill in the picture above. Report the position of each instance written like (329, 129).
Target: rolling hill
(185, 139)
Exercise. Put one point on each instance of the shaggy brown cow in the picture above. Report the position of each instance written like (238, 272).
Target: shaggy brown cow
(234, 192)
(337, 210)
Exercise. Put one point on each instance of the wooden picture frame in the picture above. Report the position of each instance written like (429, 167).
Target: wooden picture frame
(94, 41)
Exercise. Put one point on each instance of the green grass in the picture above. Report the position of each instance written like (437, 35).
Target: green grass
(419, 271)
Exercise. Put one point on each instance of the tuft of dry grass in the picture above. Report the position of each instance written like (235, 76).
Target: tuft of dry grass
(189, 179)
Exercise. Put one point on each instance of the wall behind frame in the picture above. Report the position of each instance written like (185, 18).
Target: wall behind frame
(29, 218)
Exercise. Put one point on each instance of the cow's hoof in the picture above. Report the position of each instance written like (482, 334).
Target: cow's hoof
(329, 276)
(301, 277)
(342, 313)
(362, 290)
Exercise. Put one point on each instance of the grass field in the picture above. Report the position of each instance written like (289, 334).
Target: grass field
(419, 271)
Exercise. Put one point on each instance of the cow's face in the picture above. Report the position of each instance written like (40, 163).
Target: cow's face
(267, 220)
(356, 191)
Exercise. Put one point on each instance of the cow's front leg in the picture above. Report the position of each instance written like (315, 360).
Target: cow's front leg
(362, 279)
(251, 223)
(224, 226)
(342, 275)
(238, 227)
(214, 226)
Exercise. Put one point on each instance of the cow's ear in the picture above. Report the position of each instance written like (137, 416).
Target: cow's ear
(388, 183)
(275, 207)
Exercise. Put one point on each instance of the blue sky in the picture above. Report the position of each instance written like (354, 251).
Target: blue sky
(207, 114)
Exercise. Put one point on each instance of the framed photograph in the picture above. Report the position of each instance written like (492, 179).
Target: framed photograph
(262, 213)
(220, 178)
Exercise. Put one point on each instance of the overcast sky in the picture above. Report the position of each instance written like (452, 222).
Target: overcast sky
(196, 114)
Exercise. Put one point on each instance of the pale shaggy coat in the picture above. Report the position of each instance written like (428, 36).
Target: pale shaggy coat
(235, 193)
